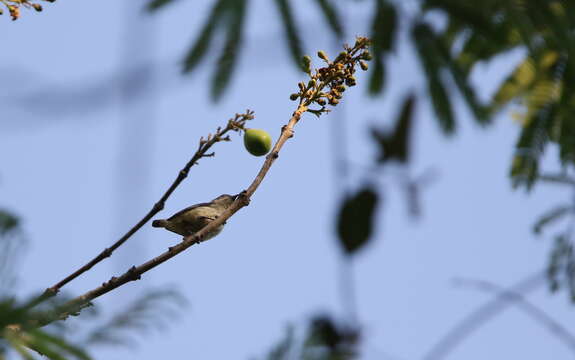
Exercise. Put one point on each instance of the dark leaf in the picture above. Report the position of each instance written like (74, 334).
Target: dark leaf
(462, 81)
(202, 44)
(567, 138)
(396, 145)
(332, 17)
(384, 27)
(59, 345)
(281, 351)
(8, 222)
(432, 63)
(292, 34)
(355, 221)
(151, 311)
(230, 54)
(441, 105)
(326, 339)
(377, 79)
(157, 4)
(530, 146)
(551, 216)
(324, 332)
(479, 17)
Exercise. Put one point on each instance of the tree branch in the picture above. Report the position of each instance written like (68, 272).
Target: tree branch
(464, 328)
(234, 124)
(134, 273)
(332, 76)
(536, 313)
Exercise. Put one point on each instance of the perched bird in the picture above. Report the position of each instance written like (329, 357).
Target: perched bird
(192, 219)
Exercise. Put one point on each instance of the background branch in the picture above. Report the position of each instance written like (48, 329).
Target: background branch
(529, 308)
(463, 329)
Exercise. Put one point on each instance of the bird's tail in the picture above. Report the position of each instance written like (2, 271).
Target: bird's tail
(159, 223)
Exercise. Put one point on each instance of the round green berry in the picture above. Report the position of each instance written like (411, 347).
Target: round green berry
(257, 142)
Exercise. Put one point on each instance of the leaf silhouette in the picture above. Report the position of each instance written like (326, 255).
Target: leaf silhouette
(229, 56)
(332, 17)
(157, 4)
(355, 222)
(292, 34)
(396, 145)
(202, 43)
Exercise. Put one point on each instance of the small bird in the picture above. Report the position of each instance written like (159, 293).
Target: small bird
(192, 219)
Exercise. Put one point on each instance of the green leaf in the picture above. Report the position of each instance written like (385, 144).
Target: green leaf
(432, 62)
(377, 79)
(383, 27)
(151, 311)
(157, 4)
(530, 146)
(292, 34)
(202, 43)
(396, 145)
(228, 59)
(332, 17)
(60, 344)
(8, 222)
(324, 332)
(21, 350)
(460, 76)
(355, 221)
(281, 351)
(567, 138)
(441, 105)
(551, 216)
(477, 16)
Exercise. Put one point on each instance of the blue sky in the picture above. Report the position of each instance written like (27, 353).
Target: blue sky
(81, 166)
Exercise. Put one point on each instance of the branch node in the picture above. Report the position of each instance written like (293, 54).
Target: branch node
(243, 198)
(50, 292)
(159, 206)
(133, 272)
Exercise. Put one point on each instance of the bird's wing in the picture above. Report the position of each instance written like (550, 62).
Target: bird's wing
(187, 209)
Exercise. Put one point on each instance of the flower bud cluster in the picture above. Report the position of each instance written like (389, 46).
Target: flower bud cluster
(13, 6)
(327, 84)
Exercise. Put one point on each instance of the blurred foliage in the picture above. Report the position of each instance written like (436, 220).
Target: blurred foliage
(561, 266)
(8, 222)
(12, 243)
(356, 218)
(74, 337)
(474, 32)
(152, 311)
(69, 339)
(324, 339)
(450, 38)
(395, 145)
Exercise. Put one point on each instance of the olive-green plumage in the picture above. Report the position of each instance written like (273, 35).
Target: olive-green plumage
(192, 219)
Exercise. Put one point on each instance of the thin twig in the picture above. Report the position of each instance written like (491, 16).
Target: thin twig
(530, 309)
(75, 305)
(464, 328)
(332, 76)
(233, 125)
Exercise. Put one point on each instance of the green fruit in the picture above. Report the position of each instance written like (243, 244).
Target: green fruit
(257, 142)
